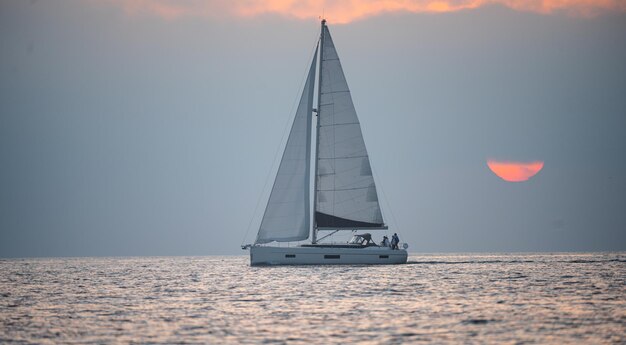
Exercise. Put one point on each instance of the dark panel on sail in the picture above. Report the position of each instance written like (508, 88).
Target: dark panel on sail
(324, 220)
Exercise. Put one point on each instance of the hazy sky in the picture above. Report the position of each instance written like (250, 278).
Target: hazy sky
(150, 127)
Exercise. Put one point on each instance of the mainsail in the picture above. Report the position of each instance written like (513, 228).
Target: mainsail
(346, 194)
(287, 215)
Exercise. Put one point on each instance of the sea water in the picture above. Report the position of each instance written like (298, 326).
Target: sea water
(461, 298)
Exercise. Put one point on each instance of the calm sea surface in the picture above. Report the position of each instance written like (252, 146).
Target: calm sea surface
(469, 298)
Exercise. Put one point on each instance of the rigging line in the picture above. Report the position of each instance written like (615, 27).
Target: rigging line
(285, 130)
(393, 216)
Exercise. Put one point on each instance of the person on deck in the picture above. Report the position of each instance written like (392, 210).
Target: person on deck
(394, 241)
(385, 242)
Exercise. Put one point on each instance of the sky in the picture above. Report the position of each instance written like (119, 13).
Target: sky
(151, 127)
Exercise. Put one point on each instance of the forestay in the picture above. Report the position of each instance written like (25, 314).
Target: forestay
(346, 193)
(287, 215)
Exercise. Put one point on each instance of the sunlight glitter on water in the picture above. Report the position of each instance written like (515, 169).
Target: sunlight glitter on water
(485, 298)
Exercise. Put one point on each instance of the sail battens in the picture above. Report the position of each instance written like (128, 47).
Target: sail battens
(336, 91)
(340, 124)
(351, 157)
(340, 189)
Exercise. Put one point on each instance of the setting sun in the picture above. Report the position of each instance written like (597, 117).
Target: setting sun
(514, 171)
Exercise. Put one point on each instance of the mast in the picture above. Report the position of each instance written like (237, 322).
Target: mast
(307, 191)
(317, 131)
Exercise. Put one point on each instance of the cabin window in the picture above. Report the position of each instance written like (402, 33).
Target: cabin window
(290, 255)
(332, 256)
(383, 256)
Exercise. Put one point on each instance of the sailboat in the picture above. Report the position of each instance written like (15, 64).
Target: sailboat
(344, 192)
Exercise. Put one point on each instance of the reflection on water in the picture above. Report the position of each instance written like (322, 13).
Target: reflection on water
(535, 298)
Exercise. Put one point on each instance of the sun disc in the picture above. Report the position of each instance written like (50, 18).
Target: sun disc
(511, 171)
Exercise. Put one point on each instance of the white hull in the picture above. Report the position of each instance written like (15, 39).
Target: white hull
(269, 256)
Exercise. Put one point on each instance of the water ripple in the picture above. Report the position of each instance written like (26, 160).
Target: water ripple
(461, 298)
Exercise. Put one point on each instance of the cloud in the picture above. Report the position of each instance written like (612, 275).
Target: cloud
(344, 11)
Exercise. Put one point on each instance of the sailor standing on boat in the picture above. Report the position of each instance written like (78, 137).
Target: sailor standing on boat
(394, 241)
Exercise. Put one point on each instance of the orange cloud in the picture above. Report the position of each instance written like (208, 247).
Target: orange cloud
(515, 171)
(337, 11)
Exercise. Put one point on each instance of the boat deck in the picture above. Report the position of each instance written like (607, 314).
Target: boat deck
(354, 246)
